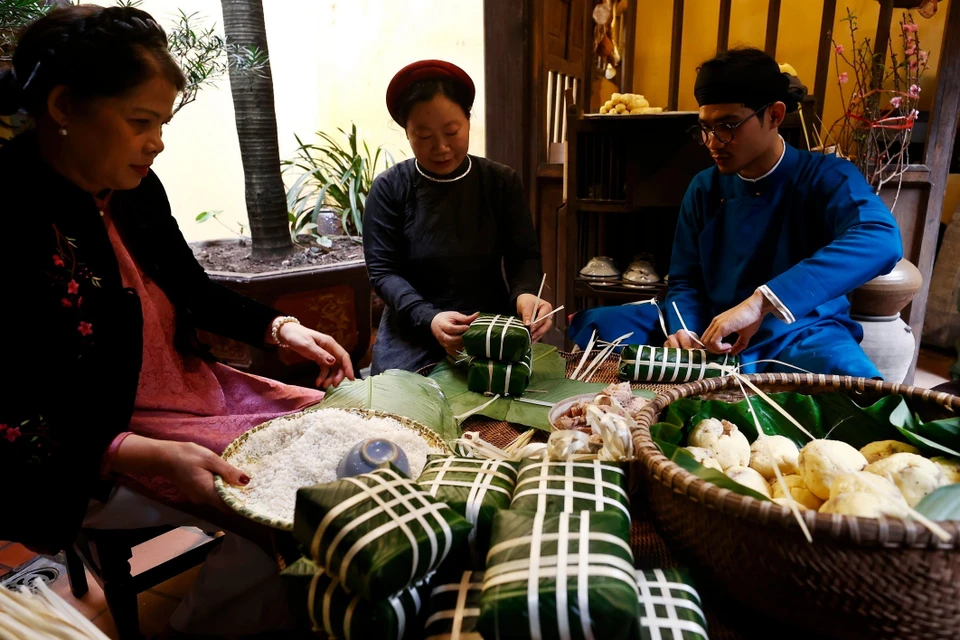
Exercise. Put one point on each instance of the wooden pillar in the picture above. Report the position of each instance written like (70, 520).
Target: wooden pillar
(824, 54)
(773, 26)
(676, 39)
(507, 68)
(882, 40)
(723, 28)
(939, 148)
(627, 50)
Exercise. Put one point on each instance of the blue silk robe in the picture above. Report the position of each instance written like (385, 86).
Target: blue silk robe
(811, 231)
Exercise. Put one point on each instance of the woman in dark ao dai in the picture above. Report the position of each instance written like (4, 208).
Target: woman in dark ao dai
(446, 234)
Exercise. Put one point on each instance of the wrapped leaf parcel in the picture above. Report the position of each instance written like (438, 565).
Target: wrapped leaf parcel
(571, 487)
(474, 488)
(559, 575)
(500, 377)
(669, 606)
(378, 533)
(642, 363)
(497, 337)
(321, 603)
(454, 609)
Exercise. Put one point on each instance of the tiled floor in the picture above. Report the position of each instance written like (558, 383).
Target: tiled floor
(933, 368)
(157, 604)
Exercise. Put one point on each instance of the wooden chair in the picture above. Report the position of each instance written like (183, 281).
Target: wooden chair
(106, 553)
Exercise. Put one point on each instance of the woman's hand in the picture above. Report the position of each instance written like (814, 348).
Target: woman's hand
(526, 304)
(192, 467)
(448, 328)
(189, 466)
(333, 359)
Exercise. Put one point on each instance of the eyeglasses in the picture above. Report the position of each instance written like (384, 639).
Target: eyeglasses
(723, 132)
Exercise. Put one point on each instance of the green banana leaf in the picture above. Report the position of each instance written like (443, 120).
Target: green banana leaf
(399, 392)
(547, 384)
(942, 504)
(946, 432)
(831, 415)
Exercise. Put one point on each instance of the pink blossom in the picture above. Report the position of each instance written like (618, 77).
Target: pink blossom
(914, 114)
(909, 51)
(3, 428)
(924, 56)
(73, 287)
(843, 77)
(79, 301)
(912, 64)
(85, 329)
(838, 48)
(11, 433)
(57, 261)
(910, 28)
(895, 102)
(66, 302)
(914, 90)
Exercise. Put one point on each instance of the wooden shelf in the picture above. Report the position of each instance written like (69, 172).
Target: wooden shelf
(603, 206)
(616, 293)
(639, 116)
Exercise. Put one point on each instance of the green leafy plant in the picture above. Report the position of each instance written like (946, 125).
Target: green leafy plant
(206, 216)
(205, 57)
(333, 175)
(14, 15)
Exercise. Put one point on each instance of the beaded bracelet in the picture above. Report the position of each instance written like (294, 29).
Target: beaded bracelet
(277, 324)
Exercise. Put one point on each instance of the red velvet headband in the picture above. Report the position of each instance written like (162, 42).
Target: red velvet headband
(425, 70)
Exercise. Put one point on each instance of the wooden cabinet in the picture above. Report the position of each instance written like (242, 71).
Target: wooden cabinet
(626, 178)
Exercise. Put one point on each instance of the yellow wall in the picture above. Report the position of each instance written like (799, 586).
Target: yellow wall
(797, 44)
(331, 63)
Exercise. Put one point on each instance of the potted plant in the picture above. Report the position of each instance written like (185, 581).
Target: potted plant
(323, 281)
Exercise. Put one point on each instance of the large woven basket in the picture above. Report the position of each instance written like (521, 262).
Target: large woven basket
(861, 578)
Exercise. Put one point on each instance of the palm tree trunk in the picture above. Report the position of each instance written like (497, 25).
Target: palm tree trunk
(257, 130)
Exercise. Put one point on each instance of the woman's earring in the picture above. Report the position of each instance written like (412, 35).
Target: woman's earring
(63, 130)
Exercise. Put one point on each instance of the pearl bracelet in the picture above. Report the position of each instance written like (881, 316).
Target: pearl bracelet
(277, 324)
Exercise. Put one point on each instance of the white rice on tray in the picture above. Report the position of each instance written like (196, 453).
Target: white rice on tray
(305, 449)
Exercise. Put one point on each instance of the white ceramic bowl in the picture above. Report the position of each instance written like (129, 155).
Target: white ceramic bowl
(600, 267)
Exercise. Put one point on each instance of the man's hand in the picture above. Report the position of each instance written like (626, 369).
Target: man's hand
(743, 319)
(683, 339)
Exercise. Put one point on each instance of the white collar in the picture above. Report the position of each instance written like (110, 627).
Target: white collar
(768, 173)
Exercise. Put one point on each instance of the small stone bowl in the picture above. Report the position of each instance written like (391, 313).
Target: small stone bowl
(369, 455)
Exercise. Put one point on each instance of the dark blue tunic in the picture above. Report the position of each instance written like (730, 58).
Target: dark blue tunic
(464, 246)
(811, 232)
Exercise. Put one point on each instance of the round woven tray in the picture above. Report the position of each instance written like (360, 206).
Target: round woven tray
(234, 499)
(861, 578)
